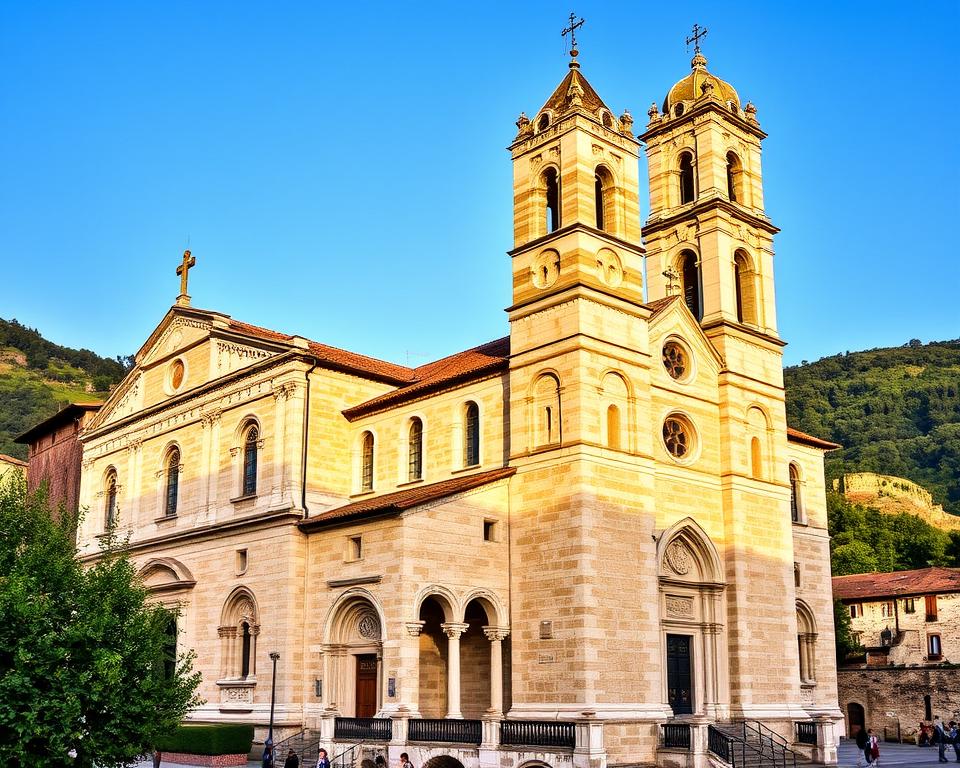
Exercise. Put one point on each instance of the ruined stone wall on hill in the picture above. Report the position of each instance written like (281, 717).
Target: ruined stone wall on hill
(895, 495)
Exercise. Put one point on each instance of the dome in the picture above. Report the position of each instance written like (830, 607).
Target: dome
(691, 87)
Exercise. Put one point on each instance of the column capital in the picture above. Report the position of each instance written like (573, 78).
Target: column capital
(414, 628)
(496, 633)
(453, 629)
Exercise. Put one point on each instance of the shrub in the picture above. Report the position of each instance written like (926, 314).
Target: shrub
(222, 739)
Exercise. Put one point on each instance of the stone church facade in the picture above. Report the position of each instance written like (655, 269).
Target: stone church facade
(600, 524)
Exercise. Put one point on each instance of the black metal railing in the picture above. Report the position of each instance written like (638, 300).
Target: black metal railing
(363, 728)
(676, 735)
(446, 731)
(721, 745)
(806, 732)
(535, 733)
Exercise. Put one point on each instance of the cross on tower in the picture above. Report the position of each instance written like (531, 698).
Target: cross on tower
(572, 31)
(184, 272)
(695, 37)
(673, 280)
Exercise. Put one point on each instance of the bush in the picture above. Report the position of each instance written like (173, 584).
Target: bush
(225, 739)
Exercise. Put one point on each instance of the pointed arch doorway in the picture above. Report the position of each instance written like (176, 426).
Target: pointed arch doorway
(353, 657)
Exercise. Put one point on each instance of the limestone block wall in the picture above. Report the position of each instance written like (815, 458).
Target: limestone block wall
(879, 615)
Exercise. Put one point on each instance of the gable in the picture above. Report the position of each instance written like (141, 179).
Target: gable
(673, 322)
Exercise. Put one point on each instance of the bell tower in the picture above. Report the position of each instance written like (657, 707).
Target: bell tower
(707, 235)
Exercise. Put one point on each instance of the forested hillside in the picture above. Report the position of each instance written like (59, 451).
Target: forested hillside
(895, 411)
(37, 377)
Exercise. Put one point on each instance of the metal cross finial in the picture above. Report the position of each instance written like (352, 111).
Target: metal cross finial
(695, 37)
(572, 31)
(673, 280)
(184, 271)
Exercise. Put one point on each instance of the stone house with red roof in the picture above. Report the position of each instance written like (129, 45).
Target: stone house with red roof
(909, 625)
(593, 541)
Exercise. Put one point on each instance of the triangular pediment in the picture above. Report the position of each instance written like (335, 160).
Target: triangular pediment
(673, 320)
(189, 349)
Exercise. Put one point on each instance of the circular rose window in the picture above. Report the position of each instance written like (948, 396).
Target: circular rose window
(677, 437)
(675, 360)
(177, 371)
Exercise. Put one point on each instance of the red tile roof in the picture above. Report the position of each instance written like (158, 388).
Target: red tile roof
(923, 581)
(4, 459)
(796, 436)
(454, 369)
(65, 414)
(393, 503)
(339, 359)
(659, 305)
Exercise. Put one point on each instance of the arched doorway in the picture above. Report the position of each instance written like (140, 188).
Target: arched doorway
(856, 719)
(475, 662)
(433, 659)
(352, 657)
(692, 622)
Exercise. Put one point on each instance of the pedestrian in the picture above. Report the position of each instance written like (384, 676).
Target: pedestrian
(322, 760)
(940, 737)
(267, 761)
(157, 758)
(874, 748)
(863, 748)
(405, 760)
(954, 737)
(292, 760)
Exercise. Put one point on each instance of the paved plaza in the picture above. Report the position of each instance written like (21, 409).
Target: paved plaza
(894, 755)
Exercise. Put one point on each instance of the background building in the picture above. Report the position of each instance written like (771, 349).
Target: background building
(909, 625)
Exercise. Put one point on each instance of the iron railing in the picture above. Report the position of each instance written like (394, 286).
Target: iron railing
(537, 734)
(445, 731)
(722, 745)
(806, 732)
(363, 728)
(675, 735)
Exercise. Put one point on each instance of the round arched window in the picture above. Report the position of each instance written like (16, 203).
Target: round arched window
(678, 437)
(675, 360)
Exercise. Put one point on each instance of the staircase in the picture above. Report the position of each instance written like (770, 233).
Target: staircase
(305, 743)
(748, 744)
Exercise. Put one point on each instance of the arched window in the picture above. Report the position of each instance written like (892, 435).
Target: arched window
(690, 283)
(366, 462)
(239, 628)
(110, 492)
(744, 287)
(734, 178)
(251, 441)
(598, 199)
(546, 410)
(687, 186)
(172, 483)
(244, 649)
(613, 427)
(603, 199)
(415, 450)
(552, 184)
(806, 644)
(794, 493)
(756, 459)
(471, 435)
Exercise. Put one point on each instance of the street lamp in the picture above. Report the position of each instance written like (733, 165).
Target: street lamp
(274, 657)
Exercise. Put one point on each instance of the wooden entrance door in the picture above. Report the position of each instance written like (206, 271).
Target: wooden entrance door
(366, 685)
(679, 679)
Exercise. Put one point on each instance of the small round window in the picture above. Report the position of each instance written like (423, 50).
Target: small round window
(676, 360)
(678, 437)
(177, 373)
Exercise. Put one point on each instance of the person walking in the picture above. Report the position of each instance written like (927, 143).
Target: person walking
(940, 736)
(874, 747)
(954, 737)
(322, 760)
(292, 761)
(863, 747)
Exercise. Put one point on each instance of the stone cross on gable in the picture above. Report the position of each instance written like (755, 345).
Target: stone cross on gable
(184, 272)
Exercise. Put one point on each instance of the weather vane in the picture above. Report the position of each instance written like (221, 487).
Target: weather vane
(695, 37)
(572, 31)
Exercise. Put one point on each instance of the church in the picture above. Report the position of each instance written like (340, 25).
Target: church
(594, 541)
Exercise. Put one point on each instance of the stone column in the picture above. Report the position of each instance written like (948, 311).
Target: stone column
(279, 440)
(453, 630)
(213, 462)
(408, 673)
(496, 636)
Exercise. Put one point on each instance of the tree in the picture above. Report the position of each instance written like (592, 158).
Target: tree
(84, 658)
(846, 645)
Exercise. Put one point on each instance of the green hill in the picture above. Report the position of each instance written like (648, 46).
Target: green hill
(895, 411)
(38, 377)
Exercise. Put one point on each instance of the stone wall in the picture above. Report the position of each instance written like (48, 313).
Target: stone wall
(892, 693)
(910, 647)
(895, 495)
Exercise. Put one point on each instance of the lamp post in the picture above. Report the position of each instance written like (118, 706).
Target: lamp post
(274, 657)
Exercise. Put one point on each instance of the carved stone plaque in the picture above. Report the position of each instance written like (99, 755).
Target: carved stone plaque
(369, 626)
(679, 606)
(678, 557)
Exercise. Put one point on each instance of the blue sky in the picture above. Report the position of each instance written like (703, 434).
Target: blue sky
(340, 171)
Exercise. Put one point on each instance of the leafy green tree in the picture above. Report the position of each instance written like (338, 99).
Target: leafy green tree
(85, 672)
(846, 645)
(854, 557)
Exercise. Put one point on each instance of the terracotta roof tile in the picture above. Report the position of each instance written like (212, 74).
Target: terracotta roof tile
(923, 581)
(796, 436)
(71, 411)
(462, 366)
(658, 306)
(338, 358)
(12, 460)
(392, 503)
